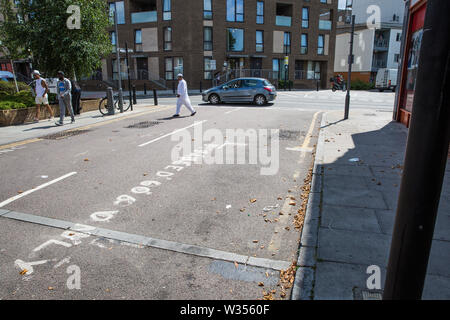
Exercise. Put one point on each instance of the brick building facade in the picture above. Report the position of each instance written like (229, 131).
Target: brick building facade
(209, 40)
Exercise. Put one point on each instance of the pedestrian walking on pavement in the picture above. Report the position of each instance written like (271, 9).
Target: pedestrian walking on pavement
(41, 91)
(64, 88)
(183, 97)
(76, 97)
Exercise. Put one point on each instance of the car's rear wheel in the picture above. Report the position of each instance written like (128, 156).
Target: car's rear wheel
(260, 100)
(214, 99)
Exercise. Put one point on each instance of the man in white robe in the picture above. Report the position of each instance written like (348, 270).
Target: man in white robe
(183, 97)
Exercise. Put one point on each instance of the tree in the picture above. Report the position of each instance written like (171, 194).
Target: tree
(40, 28)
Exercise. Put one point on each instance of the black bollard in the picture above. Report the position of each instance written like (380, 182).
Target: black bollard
(173, 87)
(155, 97)
(145, 89)
(134, 95)
(200, 87)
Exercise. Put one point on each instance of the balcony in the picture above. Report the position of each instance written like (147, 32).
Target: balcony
(144, 17)
(381, 45)
(325, 25)
(283, 21)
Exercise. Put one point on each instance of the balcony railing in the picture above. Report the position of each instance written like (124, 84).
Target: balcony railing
(144, 16)
(377, 63)
(283, 21)
(381, 44)
(325, 25)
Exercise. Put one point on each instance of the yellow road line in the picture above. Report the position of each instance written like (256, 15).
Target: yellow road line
(310, 131)
(98, 124)
(20, 143)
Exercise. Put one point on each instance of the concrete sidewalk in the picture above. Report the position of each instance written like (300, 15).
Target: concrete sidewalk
(12, 134)
(351, 210)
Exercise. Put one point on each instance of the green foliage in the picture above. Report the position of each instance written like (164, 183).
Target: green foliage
(22, 98)
(45, 36)
(8, 105)
(10, 87)
(361, 85)
(284, 84)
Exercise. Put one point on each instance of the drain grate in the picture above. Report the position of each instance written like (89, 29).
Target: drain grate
(143, 124)
(291, 135)
(64, 134)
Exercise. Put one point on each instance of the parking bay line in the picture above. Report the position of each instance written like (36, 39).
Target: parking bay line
(173, 132)
(42, 186)
(148, 241)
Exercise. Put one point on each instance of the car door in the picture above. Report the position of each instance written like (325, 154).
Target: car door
(252, 89)
(228, 91)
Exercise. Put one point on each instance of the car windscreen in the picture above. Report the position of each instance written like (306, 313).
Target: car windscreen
(267, 83)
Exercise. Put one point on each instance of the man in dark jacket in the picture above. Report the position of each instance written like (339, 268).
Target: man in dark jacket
(76, 97)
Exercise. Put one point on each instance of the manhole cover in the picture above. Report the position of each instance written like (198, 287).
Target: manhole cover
(365, 294)
(64, 134)
(290, 135)
(144, 124)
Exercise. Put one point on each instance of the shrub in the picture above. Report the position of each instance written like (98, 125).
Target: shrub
(361, 85)
(8, 105)
(284, 84)
(10, 87)
(24, 97)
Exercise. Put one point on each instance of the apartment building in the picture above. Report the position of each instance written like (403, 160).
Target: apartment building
(215, 40)
(375, 47)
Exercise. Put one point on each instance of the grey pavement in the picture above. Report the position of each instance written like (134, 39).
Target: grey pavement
(352, 208)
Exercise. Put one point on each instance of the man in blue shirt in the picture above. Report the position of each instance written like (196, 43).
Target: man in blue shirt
(64, 88)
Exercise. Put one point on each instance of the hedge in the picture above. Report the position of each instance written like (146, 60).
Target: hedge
(10, 87)
(8, 105)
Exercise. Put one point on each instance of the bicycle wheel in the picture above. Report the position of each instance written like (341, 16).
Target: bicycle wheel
(103, 106)
(126, 104)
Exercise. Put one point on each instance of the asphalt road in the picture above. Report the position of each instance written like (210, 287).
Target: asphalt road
(135, 223)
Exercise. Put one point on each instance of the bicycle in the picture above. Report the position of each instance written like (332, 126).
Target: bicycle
(103, 105)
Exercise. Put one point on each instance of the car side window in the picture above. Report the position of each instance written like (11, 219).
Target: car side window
(252, 83)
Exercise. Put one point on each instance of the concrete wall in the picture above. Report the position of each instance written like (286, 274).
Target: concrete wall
(363, 51)
(387, 9)
(394, 48)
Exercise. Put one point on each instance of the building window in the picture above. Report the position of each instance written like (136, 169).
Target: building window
(138, 40)
(304, 43)
(207, 9)
(399, 37)
(305, 17)
(112, 36)
(275, 69)
(167, 38)
(323, 1)
(320, 44)
(207, 39)
(259, 12)
(287, 43)
(167, 10)
(119, 6)
(313, 70)
(235, 39)
(325, 20)
(259, 41)
(396, 58)
(235, 10)
(173, 66)
(299, 70)
(208, 67)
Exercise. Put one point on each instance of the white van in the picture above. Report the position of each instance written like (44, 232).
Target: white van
(386, 79)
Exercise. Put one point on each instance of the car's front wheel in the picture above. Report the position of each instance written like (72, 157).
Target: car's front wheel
(214, 99)
(260, 100)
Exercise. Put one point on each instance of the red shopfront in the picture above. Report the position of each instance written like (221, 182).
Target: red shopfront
(411, 60)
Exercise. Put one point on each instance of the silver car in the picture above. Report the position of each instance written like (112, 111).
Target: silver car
(256, 90)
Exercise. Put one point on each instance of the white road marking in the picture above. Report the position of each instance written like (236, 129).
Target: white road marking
(172, 133)
(237, 109)
(28, 265)
(42, 186)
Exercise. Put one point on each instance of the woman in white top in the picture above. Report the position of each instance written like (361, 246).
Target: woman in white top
(41, 90)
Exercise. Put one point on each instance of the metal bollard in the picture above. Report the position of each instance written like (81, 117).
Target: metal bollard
(173, 87)
(155, 97)
(110, 103)
(145, 89)
(121, 100)
(317, 85)
(200, 87)
(134, 95)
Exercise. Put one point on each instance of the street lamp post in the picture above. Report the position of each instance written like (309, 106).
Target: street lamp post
(118, 62)
(350, 63)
